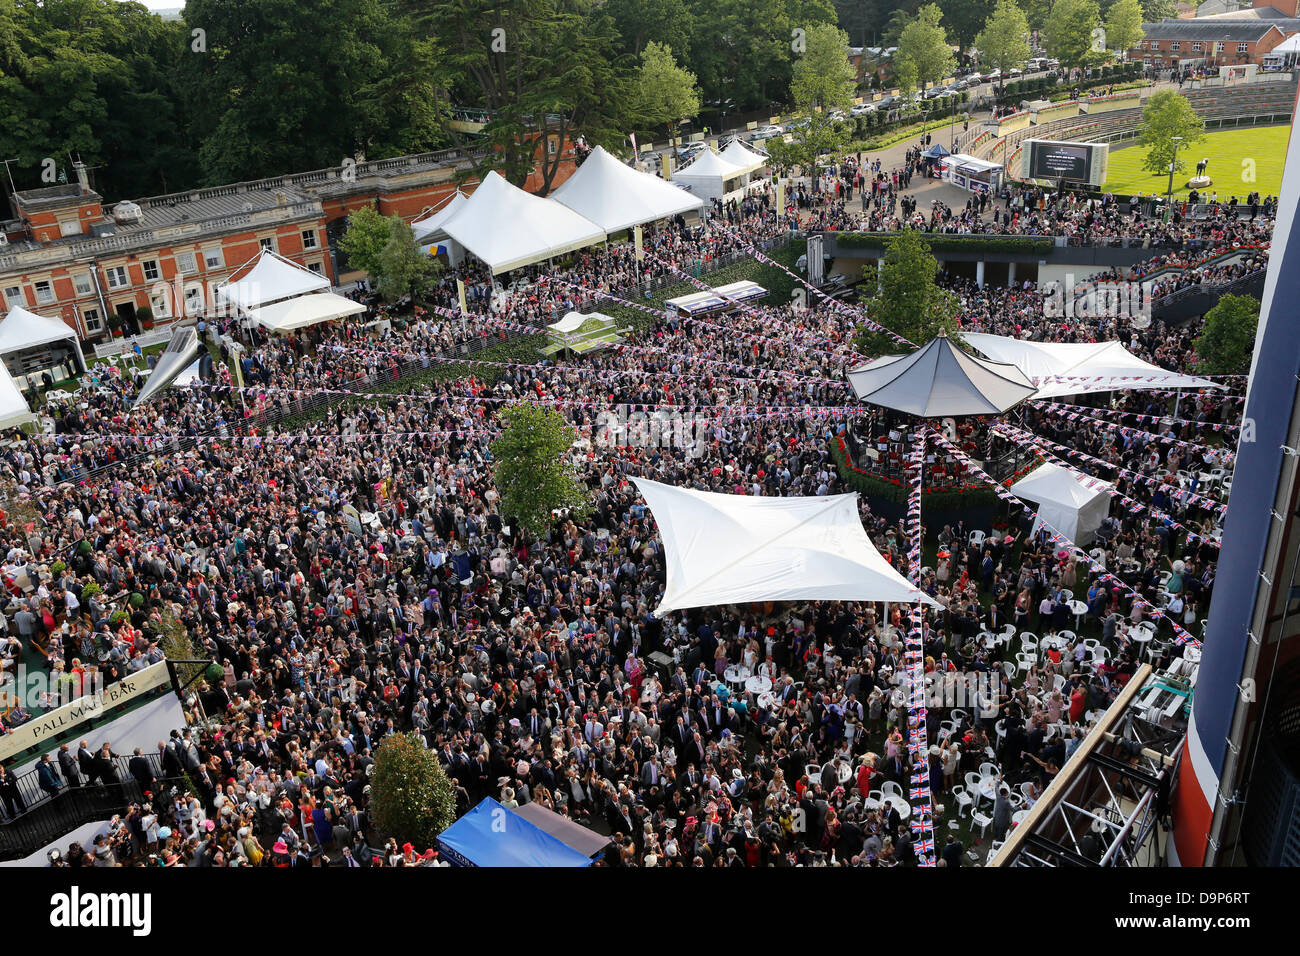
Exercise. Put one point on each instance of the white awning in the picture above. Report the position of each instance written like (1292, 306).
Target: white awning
(615, 196)
(742, 157)
(734, 549)
(270, 277)
(708, 175)
(573, 321)
(1074, 368)
(305, 310)
(508, 228)
(940, 380)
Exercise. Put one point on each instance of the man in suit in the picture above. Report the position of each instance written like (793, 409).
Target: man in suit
(86, 762)
(952, 851)
(13, 800)
(68, 767)
(141, 770)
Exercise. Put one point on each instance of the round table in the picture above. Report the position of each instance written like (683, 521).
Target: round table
(989, 788)
(758, 684)
(1192, 654)
(767, 701)
(1018, 816)
(736, 674)
(1080, 609)
(1141, 636)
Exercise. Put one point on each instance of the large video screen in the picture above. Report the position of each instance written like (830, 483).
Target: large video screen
(1059, 161)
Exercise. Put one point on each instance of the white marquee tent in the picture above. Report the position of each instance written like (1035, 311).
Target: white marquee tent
(615, 196)
(1073, 504)
(14, 409)
(708, 175)
(939, 380)
(430, 227)
(271, 278)
(740, 155)
(508, 228)
(1074, 368)
(21, 330)
(725, 549)
(304, 310)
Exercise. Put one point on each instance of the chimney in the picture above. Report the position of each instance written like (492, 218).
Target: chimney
(82, 177)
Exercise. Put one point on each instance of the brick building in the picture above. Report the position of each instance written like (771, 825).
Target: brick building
(1231, 38)
(66, 255)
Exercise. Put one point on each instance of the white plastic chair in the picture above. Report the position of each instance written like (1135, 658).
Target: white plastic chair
(962, 796)
(977, 538)
(1025, 661)
(990, 770)
(891, 789)
(982, 820)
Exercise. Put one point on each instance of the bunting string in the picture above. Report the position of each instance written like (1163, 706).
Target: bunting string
(914, 654)
(1157, 419)
(1063, 411)
(1181, 636)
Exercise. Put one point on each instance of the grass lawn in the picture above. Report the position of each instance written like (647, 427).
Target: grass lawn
(1227, 151)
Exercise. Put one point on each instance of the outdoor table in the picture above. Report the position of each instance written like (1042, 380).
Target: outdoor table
(758, 684)
(736, 674)
(1080, 609)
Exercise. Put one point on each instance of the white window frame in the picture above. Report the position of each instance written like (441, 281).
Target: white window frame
(214, 258)
(15, 296)
(267, 243)
(1175, 46)
(93, 320)
(120, 274)
(309, 240)
(186, 264)
(82, 284)
(151, 265)
(161, 304)
(316, 267)
(1243, 47)
(44, 290)
(69, 227)
(1198, 47)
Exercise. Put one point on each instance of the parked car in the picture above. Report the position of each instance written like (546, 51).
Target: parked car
(862, 109)
(765, 132)
(797, 124)
(1014, 71)
(690, 151)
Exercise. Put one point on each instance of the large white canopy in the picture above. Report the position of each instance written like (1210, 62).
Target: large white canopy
(1073, 368)
(270, 277)
(708, 174)
(14, 409)
(940, 380)
(430, 227)
(305, 310)
(21, 329)
(615, 196)
(740, 155)
(1072, 503)
(508, 228)
(733, 549)
(180, 353)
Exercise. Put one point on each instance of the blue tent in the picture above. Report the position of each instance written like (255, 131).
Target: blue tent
(937, 151)
(490, 835)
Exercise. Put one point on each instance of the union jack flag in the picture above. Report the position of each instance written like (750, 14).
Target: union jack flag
(925, 846)
(919, 793)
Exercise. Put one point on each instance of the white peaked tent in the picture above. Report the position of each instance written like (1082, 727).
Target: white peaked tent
(21, 330)
(508, 228)
(940, 380)
(1073, 504)
(615, 196)
(741, 156)
(14, 409)
(1074, 368)
(726, 549)
(270, 277)
(430, 227)
(708, 175)
(304, 310)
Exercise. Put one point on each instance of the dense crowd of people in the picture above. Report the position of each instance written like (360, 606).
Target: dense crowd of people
(525, 662)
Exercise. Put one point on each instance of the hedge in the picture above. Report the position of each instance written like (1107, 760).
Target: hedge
(941, 242)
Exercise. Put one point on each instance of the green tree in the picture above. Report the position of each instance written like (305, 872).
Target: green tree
(1166, 115)
(1004, 41)
(894, 27)
(925, 45)
(1227, 340)
(547, 72)
(666, 93)
(1124, 26)
(908, 301)
(964, 19)
(905, 76)
(641, 22)
(403, 268)
(532, 474)
(365, 239)
(1153, 11)
(823, 76)
(411, 798)
(1037, 12)
(1072, 32)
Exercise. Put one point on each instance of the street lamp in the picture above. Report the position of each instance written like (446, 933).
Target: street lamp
(1169, 194)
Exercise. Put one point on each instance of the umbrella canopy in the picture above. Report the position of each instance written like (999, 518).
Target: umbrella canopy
(940, 380)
